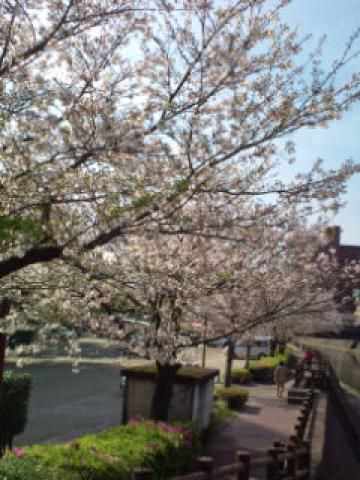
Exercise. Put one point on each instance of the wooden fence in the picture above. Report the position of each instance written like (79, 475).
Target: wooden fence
(282, 462)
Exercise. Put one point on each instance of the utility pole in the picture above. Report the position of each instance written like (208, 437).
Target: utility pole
(204, 344)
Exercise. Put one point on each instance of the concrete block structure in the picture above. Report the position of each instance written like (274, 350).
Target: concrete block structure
(191, 400)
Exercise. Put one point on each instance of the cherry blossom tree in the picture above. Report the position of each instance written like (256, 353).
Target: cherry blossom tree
(191, 289)
(115, 118)
(180, 284)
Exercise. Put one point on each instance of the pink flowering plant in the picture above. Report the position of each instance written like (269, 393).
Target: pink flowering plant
(173, 446)
(168, 449)
(18, 452)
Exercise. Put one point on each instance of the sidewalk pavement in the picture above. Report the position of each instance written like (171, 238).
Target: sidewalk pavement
(263, 420)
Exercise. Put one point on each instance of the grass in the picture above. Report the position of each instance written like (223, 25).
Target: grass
(196, 373)
(220, 414)
(110, 455)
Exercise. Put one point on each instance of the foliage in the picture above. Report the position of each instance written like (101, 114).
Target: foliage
(21, 337)
(182, 125)
(240, 375)
(110, 455)
(236, 397)
(290, 359)
(14, 398)
(220, 414)
(191, 373)
(263, 370)
(13, 467)
(12, 228)
(146, 177)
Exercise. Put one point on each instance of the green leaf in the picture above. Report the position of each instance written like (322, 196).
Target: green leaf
(144, 201)
(11, 227)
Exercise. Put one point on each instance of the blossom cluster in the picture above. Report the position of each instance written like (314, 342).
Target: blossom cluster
(185, 434)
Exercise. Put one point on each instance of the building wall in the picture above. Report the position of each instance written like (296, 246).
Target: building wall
(344, 255)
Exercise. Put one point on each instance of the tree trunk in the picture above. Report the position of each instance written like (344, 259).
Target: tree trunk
(273, 345)
(229, 359)
(165, 380)
(203, 356)
(248, 352)
(282, 346)
(4, 310)
(2, 355)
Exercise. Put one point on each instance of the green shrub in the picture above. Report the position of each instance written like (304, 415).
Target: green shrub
(14, 398)
(241, 376)
(110, 455)
(290, 358)
(263, 370)
(220, 414)
(236, 397)
(14, 468)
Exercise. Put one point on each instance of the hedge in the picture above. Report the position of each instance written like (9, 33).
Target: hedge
(241, 376)
(236, 397)
(110, 455)
(263, 370)
(14, 398)
(220, 414)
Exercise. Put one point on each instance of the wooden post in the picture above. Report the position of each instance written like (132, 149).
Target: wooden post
(307, 457)
(206, 465)
(298, 431)
(303, 412)
(244, 459)
(293, 439)
(272, 470)
(301, 421)
(142, 473)
(291, 463)
(280, 447)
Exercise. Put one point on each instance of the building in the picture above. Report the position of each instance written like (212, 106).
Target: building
(344, 255)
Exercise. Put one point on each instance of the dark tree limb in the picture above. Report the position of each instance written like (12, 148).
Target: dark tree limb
(34, 255)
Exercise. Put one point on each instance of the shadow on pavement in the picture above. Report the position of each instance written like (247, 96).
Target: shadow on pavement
(251, 409)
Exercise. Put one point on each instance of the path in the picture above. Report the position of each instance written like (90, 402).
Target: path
(265, 418)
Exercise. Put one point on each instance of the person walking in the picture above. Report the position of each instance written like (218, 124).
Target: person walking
(308, 359)
(280, 378)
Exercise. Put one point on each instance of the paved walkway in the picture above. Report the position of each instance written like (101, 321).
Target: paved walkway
(265, 418)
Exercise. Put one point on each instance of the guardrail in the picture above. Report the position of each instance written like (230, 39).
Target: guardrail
(341, 415)
(282, 462)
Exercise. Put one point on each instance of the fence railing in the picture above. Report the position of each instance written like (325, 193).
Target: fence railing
(282, 462)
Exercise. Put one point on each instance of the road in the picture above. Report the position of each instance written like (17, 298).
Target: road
(65, 405)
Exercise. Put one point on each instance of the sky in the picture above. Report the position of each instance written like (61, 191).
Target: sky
(338, 19)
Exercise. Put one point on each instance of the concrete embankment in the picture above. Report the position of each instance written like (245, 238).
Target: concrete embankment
(344, 360)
